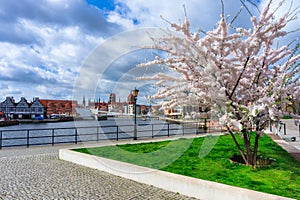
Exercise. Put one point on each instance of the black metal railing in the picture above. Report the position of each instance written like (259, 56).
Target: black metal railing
(74, 135)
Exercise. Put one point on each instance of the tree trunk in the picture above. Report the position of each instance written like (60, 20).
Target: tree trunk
(255, 150)
(237, 145)
(250, 156)
(247, 144)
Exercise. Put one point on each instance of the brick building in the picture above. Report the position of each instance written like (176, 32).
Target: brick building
(60, 107)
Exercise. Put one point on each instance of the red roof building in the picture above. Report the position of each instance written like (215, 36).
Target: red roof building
(62, 107)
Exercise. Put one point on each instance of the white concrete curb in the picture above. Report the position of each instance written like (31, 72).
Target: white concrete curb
(202, 189)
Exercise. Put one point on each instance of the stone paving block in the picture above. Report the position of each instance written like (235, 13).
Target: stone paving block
(44, 176)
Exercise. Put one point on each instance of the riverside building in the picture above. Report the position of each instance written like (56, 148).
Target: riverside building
(22, 109)
(37, 109)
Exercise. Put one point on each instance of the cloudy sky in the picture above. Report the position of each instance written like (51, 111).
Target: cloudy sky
(50, 47)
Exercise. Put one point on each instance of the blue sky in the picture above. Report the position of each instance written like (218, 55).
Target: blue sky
(103, 4)
(44, 46)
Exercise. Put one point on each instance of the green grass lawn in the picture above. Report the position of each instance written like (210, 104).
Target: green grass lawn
(182, 157)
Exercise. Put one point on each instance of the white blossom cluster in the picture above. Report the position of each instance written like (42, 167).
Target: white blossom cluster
(240, 74)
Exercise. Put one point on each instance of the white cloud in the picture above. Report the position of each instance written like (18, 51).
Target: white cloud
(51, 59)
(43, 45)
(6, 90)
(202, 14)
(42, 89)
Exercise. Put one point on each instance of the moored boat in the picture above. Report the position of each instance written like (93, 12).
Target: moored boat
(101, 117)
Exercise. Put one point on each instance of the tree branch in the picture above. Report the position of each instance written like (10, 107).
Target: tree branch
(238, 81)
(236, 16)
(223, 10)
(237, 144)
(255, 5)
(246, 8)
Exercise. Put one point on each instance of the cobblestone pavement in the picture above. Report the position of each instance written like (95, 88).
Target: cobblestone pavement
(37, 173)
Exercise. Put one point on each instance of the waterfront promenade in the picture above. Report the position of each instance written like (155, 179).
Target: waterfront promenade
(37, 173)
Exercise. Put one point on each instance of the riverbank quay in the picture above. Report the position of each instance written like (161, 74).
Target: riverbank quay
(37, 173)
(8, 123)
(17, 122)
(63, 119)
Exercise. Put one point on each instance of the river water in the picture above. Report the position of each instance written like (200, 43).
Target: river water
(84, 123)
(27, 134)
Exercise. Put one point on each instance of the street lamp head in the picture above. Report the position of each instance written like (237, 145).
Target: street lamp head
(135, 92)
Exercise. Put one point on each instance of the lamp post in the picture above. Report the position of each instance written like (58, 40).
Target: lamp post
(135, 93)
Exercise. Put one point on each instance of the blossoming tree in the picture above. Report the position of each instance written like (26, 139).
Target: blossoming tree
(240, 74)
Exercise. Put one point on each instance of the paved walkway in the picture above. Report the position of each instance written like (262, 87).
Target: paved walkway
(292, 130)
(284, 139)
(37, 173)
